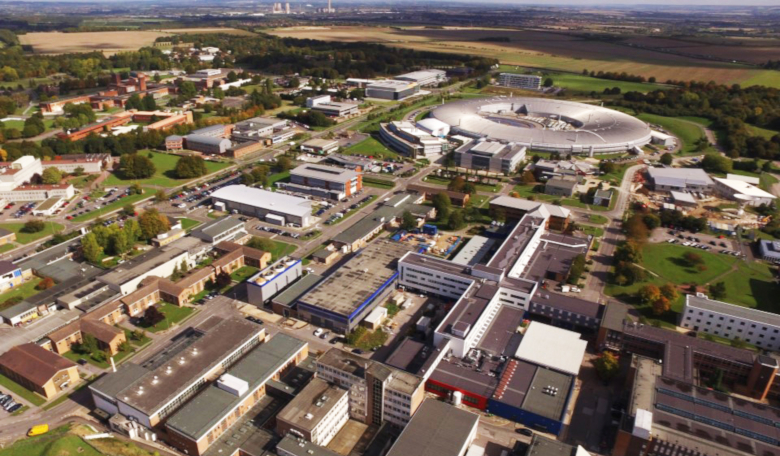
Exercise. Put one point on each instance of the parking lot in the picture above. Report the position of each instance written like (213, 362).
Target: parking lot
(714, 244)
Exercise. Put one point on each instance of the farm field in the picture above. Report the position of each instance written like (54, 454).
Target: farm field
(542, 49)
(107, 42)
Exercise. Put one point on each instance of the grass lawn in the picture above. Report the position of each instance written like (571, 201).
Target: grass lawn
(26, 238)
(531, 192)
(91, 359)
(132, 199)
(281, 249)
(616, 176)
(369, 181)
(688, 131)
(766, 181)
(24, 291)
(763, 132)
(594, 231)
(138, 343)
(278, 177)
(164, 177)
(749, 285)
(173, 314)
(19, 390)
(188, 224)
(7, 247)
(600, 219)
(53, 443)
(587, 84)
(480, 187)
(371, 147)
(241, 274)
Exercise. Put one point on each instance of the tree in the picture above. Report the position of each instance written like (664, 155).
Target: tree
(152, 316)
(456, 220)
(636, 230)
(607, 167)
(738, 343)
(91, 248)
(128, 210)
(651, 221)
(135, 166)
(409, 221)
(45, 284)
(33, 226)
(649, 294)
(661, 305)
(190, 166)
(283, 163)
(629, 251)
(718, 290)
(693, 258)
(666, 159)
(78, 171)
(607, 366)
(457, 184)
(261, 243)
(148, 103)
(118, 243)
(160, 196)
(132, 230)
(528, 178)
(669, 291)
(153, 223)
(51, 176)
(713, 163)
(223, 279)
(548, 82)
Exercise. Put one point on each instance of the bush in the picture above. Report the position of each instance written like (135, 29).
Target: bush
(152, 316)
(33, 226)
(45, 284)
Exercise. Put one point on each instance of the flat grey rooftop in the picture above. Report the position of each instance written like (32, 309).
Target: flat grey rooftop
(208, 408)
(217, 227)
(112, 383)
(199, 358)
(436, 429)
(326, 173)
(290, 295)
(312, 404)
(271, 201)
(356, 280)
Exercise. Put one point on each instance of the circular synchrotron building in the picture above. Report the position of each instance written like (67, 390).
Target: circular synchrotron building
(545, 124)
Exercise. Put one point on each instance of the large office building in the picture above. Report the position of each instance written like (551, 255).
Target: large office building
(272, 207)
(325, 181)
(414, 142)
(520, 81)
(491, 156)
(721, 319)
(392, 90)
(274, 279)
(151, 393)
(16, 179)
(349, 294)
(424, 77)
(377, 393)
(680, 180)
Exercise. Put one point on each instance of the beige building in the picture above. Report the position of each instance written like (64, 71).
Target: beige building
(38, 369)
(316, 414)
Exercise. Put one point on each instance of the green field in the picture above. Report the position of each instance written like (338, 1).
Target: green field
(585, 84)
(132, 199)
(173, 314)
(24, 291)
(480, 187)
(51, 444)
(26, 238)
(282, 249)
(375, 182)
(687, 131)
(763, 132)
(371, 147)
(188, 224)
(241, 274)
(747, 284)
(15, 388)
(530, 192)
(164, 177)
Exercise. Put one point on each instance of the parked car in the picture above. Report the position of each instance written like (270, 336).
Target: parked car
(318, 332)
(525, 431)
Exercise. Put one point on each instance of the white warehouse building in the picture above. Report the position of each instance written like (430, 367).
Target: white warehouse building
(272, 207)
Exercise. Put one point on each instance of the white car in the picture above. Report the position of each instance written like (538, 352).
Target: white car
(318, 332)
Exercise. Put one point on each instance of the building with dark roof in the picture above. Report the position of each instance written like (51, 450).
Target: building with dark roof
(437, 429)
(207, 144)
(38, 369)
(218, 407)
(164, 388)
(544, 446)
(560, 187)
(770, 250)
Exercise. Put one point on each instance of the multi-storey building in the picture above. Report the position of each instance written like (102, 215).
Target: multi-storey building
(721, 319)
(325, 181)
(520, 81)
(490, 156)
(316, 414)
(377, 393)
